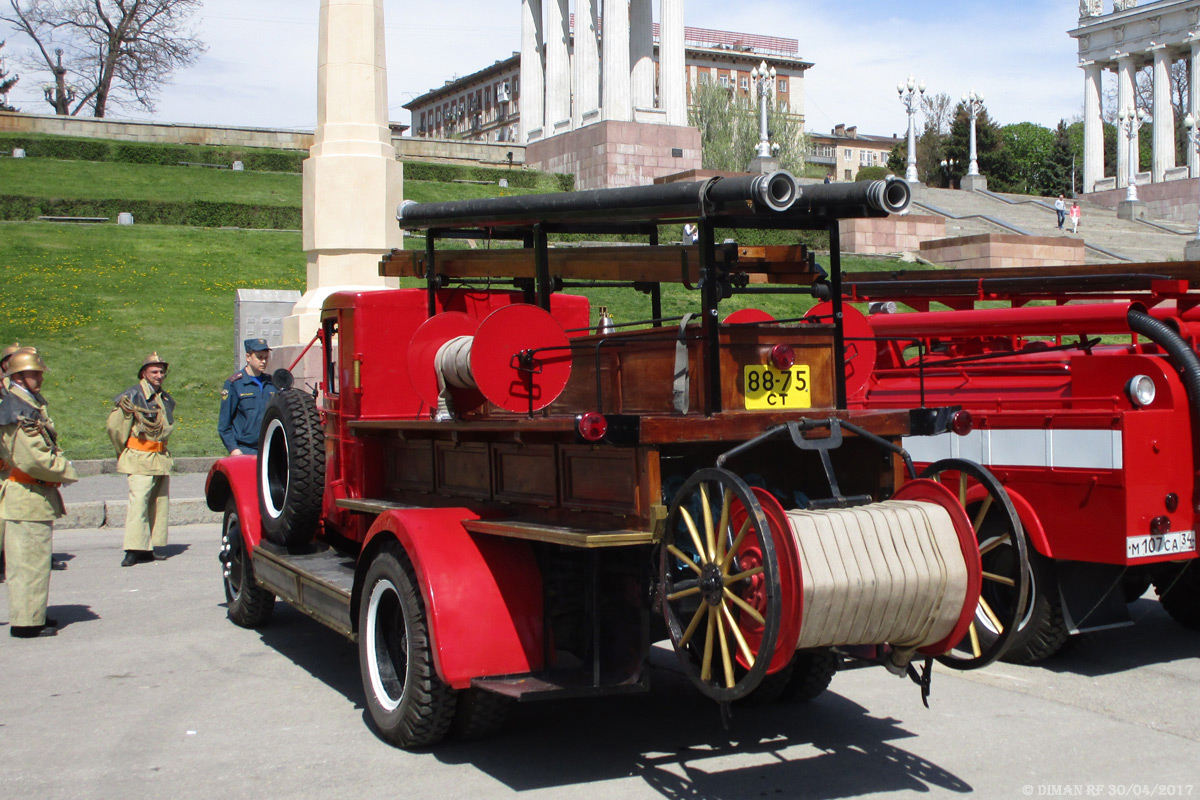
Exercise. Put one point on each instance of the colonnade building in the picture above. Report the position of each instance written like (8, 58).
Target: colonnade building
(1123, 40)
(485, 106)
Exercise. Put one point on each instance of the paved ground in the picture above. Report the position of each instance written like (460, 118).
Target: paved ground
(149, 692)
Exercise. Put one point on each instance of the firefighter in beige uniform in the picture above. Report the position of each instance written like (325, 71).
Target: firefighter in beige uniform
(8, 351)
(139, 426)
(29, 496)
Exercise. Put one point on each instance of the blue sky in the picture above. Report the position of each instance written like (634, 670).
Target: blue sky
(260, 69)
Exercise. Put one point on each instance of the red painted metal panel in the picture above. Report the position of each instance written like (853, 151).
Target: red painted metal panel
(235, 476)
(483, 594)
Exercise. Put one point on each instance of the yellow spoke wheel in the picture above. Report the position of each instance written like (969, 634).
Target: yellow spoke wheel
(1004, 555)
(719, 584)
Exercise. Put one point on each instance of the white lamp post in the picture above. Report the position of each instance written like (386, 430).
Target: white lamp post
(764, 83)
(1131, 120)
(909, 91)
(1189, 122)
(974, 101)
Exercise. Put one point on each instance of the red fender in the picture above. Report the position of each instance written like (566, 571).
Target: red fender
(1025, 512)
(235, 476)
(483, 594)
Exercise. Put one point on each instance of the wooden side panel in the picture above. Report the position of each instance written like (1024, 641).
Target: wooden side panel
(410, 465)
(600, 480)
(526, 473)
(463, 469)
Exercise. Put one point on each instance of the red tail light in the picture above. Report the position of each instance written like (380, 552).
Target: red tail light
(591, 426)
(962, 423)
(783, 357)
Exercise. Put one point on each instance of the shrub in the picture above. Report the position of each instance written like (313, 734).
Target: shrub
(872, 173)
(200, 213)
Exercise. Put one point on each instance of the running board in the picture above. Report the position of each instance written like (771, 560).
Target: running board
(319, 584)
(557, 686)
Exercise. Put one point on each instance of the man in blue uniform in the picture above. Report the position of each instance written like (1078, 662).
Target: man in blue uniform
(244, 399)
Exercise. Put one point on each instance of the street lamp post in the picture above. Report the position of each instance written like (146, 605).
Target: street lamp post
(764, 83)
(1131, 120)
(974, 101)
(909, 91)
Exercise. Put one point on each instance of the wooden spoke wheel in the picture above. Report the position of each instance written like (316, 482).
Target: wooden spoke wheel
(1004, 554)
(719, 584)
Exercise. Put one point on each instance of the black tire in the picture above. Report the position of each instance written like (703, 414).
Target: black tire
(806, 676)
(1179, 592)
(479, 714)
(248, 604)
(1042, 631)
(408, 702)
(291, 469)
(812, 672)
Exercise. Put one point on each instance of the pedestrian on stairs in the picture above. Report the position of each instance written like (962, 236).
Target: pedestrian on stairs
(1060, 207)
(1075, 212)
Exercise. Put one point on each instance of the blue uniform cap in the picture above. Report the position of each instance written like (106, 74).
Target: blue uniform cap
(255, 345)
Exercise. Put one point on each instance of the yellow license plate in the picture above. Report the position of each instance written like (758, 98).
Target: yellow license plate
(770, 388)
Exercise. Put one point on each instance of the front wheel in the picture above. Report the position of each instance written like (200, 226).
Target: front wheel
(408, 702)
(248, 604)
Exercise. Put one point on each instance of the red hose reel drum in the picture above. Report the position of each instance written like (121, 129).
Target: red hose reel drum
(518, 359)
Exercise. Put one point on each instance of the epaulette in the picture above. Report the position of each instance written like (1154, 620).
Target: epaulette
(237, 376)
(133, 392)
(13, 409)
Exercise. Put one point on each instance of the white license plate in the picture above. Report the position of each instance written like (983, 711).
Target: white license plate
(1164, 544)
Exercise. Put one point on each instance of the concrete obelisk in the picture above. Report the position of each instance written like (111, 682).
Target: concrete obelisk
(352, 180)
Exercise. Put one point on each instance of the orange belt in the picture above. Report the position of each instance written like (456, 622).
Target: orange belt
(24, 477)
(135, 443)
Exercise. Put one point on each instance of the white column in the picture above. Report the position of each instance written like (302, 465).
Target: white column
(641, 54)
(1126, 69)
(615, 61)
(352, 182)
(586, 64)
(1194, 105)
(672, 71)
(1093, 128)
(533, 73)
(558, 68)
(1164, 115)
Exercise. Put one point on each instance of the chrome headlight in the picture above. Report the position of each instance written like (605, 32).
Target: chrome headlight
(1141, 390)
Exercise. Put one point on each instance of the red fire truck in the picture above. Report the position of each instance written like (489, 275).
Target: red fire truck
(1084, 391)
(501, 498)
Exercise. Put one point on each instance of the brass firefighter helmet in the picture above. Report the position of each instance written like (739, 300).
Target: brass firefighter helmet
(150, 361)
(25, 359)
(8, 351)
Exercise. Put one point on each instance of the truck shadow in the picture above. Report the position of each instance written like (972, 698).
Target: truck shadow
(672, 738)
(326, 655)
(1153, 638)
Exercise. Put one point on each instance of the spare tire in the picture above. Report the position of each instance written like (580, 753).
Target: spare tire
(291, 469)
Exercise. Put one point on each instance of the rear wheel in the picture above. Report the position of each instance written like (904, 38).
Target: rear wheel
(1042, 631)
(291, 469)
(1179, 593)
(805, 677)
(408, 702)
(247, 603)
(479, 714)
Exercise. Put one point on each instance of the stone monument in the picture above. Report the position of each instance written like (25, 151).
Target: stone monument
(352, 180)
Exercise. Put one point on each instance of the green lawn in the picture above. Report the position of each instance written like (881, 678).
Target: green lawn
(90, 180)
(86, 180)
(97, 298)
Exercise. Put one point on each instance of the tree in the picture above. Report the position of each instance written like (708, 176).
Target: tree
(118, 52)
(1029, 147)
(6, 84)
(729, 130)
(994, 162)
